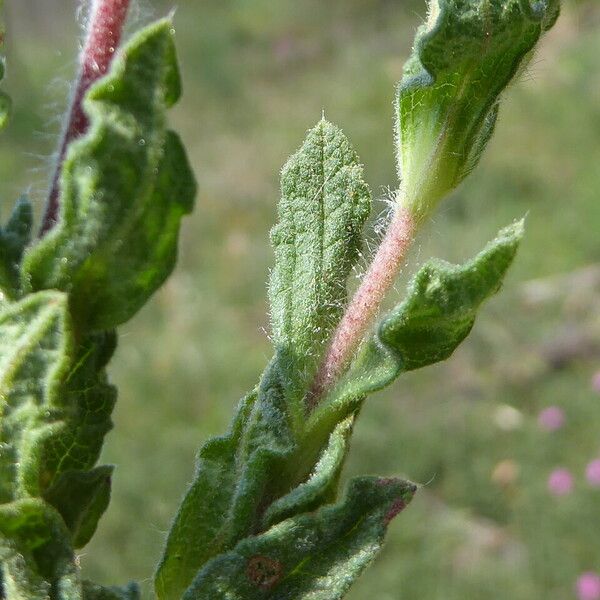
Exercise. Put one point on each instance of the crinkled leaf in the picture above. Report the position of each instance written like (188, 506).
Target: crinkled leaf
(196, 531)
(436, 316)
(34, 347)
(464, 56)
(324, 204)
(235, 482)
(314, 556)
(81, 497)
(124, 188)
(37, 558)
(55, 406)
(14, 237)
(321, 487)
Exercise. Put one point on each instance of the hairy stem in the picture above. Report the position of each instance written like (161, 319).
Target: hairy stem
(366, 301)
(103, 37)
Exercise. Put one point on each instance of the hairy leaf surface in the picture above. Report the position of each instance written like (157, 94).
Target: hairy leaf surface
(236, 480)
(321, 487)
(464, 57)
(324, 204)
(436, 316)
(81, 497)
(55, 407)
(123, 190)
(14, 237)
(37, 558)
(314, 556)
(196, 533)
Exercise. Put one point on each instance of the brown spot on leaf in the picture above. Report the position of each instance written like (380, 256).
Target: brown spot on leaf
(263, 571)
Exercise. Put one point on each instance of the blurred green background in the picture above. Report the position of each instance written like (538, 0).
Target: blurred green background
(257, 74)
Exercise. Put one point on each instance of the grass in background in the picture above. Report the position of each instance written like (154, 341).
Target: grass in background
(258, 74)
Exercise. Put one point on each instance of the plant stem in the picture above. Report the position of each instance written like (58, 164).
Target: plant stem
(366, 301)
(103, 37)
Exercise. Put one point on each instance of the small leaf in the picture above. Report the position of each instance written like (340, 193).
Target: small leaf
(463, 59)
(324, 204)
(313, 556)
(55, 406)
(436, 316)
(321, 487)
(124, 188)
(37, 559)
(237, 478)
(14, 237)
(69, 432)
(81, 497)
(196, 531)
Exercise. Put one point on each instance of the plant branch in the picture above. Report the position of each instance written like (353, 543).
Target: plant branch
(366, 302)
(103, 38)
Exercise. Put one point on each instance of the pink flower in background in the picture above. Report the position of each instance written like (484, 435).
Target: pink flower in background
(551, 418)
(592, 473)
(560, 482)
(588, 586)
(596, 382)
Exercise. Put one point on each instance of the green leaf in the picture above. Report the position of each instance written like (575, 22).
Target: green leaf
(69, 437)
(436, 316)
(124, 188)
(464, 56)
(324, 204)
(34, 358)
(321, 487)
(91, 591)
(14, 237)
(37, 559)
(81, 497)
(55, 407)
(237, 478)
(314, 556)
(196, 533)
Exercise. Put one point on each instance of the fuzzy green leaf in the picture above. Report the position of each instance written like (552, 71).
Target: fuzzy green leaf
(70, 437)
(14, 237)
(124, 188)
(195, 534)
(436, 316)
(324, 204)
(33, 358)
(37, 559)
(314, 556)
(464, 56)
(237, 478)
(321, 487)
(55, 407)
(81, 497)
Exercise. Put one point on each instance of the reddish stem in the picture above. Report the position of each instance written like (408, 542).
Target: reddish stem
(366, 302)
(103, 38)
